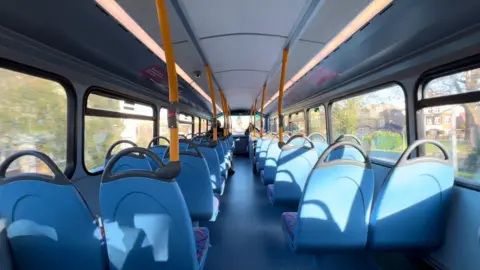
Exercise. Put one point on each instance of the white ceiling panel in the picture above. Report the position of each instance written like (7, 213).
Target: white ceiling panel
(242, 52)
(145, 14)
(242, 79)
(187, 58)
(219, 17)
(332, 17)
(273, 85)
(239, 98)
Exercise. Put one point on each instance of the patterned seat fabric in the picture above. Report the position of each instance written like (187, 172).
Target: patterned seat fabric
(201, 243)
(271, 192)
(288, 223)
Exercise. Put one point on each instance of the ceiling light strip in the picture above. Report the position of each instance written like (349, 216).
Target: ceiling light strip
(117, 12)
(374, 8)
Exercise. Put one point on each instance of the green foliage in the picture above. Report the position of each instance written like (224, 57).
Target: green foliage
(33, 114)
(345, 115)
(387, 140)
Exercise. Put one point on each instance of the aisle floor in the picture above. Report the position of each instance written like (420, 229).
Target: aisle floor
(248, 232)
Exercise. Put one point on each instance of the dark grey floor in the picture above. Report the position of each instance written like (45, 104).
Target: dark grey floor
(248, 232)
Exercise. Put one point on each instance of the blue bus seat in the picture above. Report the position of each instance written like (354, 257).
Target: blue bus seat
(262, 152)
(47, 222)
(410, 209)
(258, 146)
(346, 152)
(195, 183)
(158, 149)
(334, 211)
(128, 162)
(294, 165)
(222, 160)
(146, 219)
(267, 175)
(320, 142)
(183, 144)
(211, 156)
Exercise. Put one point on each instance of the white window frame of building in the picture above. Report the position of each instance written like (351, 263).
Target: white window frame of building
(448, 120)
(437, 120)
(436, 110)
(428, 120)
(429, 110)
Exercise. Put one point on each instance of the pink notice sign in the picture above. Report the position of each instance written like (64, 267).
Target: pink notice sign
(321, 75)
(156, 74)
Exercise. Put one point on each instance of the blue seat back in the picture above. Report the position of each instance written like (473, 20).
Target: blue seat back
(211, 156)
(271, 161)
(222, 159)
(262, 153)
(294, 165)
(48, 225)
(146, 219)
(251, 149)
(128, 162)
(195, 183)
(335, 208)
(158, 150)
(346, 152)
(258, 145)
(411, 206)
(183, 144)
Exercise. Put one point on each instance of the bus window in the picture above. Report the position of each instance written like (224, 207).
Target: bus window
(297, 122)
(317, 121)
(33, 115)
(285, 123)
(272, 125)
(102, 129)
(163, 126)
(196, 125)
(184, 124)
(240, 124)
(222, 121)
(258, 121)
(203, 125)
(378, 119)
(209, 125)
(455, 126)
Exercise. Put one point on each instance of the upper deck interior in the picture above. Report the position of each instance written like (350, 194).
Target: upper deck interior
(337, 49)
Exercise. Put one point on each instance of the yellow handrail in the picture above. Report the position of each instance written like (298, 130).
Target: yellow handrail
(172, 78)
(214, 105)
(224, 107)
(261, 109)
(280, 94)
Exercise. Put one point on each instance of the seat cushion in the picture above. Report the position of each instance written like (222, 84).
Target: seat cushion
(202, 241)
(271, 192)
(288, 223)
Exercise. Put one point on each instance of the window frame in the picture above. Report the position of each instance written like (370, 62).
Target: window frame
(379, 87)
(421, 103)
(71, 96)
(326, 121)
(97, 90)
(192, 123)
(290, 121)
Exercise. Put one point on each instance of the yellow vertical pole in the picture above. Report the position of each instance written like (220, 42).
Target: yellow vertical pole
(261, 109)
(172, 79)
(224, 107)
(280, 94)
(254, 111)
(212, 96)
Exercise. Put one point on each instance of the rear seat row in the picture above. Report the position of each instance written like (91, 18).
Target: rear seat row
(147, 217)
(339, 205)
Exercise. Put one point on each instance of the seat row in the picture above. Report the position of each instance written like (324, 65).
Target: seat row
(340, 204)
(147, 211)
